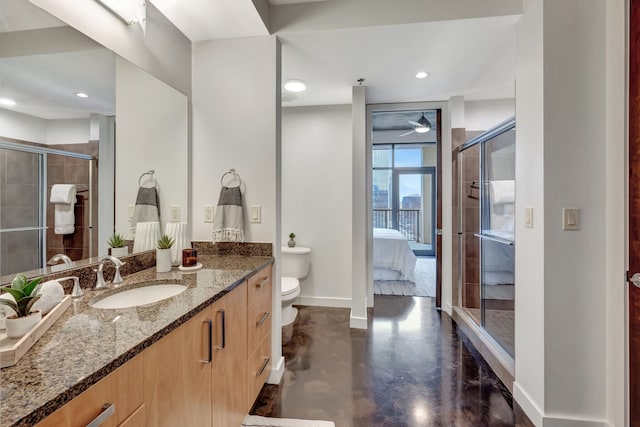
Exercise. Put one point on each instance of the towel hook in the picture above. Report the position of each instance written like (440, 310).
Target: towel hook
(150, 172)
(232, 172)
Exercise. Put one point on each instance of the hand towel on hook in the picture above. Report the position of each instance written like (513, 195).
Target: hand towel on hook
(228, 222)
(147, 208)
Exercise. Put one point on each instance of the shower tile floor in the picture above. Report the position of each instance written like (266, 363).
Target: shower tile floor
(412, 367)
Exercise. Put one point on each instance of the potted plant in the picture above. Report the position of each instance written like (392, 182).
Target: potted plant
(25, 294)
(163, 254)
(291, 243)
(118, 245)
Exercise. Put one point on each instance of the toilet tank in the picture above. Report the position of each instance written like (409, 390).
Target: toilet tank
(295, 261)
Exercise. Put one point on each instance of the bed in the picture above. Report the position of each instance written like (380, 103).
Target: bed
(393, 259)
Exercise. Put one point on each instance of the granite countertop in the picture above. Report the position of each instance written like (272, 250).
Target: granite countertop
(86, 344)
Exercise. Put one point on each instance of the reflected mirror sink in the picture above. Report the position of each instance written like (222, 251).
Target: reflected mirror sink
(139, 296)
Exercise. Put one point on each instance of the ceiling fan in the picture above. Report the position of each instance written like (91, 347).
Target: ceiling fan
(421, 126)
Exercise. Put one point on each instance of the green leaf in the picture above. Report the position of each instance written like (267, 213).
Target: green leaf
(33, 301)
(15, 293)
(31, 286)
(19, 281)
(12, 305)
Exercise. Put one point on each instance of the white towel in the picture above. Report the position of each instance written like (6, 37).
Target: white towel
(228, 222)
(63, 193)
(179, 232)
(503, 192)
(147, 235)
(64, 217)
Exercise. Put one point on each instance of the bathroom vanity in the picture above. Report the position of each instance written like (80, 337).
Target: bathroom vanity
(199, 358)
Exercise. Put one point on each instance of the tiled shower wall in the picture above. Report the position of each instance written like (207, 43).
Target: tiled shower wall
(19, 251)
(468, 268)
(69, 170)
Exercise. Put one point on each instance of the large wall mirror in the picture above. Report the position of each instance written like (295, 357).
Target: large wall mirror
(128, 123)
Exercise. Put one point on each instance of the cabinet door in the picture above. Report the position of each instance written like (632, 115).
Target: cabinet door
(177, 376)
(122, 388)
(229, 358)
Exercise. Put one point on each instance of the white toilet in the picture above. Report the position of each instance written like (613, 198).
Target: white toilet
(295, 266)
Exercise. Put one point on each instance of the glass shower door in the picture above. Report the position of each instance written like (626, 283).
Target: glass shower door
(22, 228)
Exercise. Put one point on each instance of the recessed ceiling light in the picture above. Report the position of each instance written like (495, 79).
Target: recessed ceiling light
(422, 75)
(81, 95)
(8, 102)
(295, 86)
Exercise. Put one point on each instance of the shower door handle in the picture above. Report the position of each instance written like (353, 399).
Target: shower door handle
(438, 231)
(635, 279)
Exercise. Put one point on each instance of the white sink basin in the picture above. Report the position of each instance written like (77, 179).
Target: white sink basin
(139, 296)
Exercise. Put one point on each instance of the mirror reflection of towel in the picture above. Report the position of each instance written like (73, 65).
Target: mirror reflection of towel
(147, 208)
(63, 196)
(228, 222)
(503, 192)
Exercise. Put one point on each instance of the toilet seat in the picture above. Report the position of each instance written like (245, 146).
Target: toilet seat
(289, 285)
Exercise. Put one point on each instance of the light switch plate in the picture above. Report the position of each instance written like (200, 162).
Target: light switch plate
(255, 214)
(528, 217)
(130, 212)
(175, 213)
(570, 219)
(208, 214)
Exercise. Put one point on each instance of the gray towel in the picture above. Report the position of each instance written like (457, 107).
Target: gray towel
(147, 208)
(228, 223)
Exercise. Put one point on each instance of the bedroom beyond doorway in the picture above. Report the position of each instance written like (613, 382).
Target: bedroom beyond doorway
(404, 201)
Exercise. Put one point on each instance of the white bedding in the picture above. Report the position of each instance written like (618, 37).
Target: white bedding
(391, 251)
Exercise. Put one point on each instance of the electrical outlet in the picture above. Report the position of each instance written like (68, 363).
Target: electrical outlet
(174, 213)
(208, 214)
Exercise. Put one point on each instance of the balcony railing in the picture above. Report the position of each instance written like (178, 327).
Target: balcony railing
(408, 222)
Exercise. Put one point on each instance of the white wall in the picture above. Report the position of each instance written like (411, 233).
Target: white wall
(316, 198)
(52, 132)
(68, 131)
(23, 127)
(151, 133)
(484, 114)
(562, 276)
(236, 124)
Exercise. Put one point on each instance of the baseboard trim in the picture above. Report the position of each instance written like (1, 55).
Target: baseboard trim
(324, 302)
(528, 406)
(357, 322)
(277, 372)
(572, 422)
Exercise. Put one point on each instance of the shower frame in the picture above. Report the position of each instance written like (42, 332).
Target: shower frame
(42, 169)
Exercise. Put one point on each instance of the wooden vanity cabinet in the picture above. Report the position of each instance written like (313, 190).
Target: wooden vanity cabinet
(177, 375)
(206, 372)
(122, 388)
(259, 314)
(229, 379)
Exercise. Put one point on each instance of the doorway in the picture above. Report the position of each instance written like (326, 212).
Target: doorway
(404, 201)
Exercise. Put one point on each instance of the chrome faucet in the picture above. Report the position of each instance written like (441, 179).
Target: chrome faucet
(77, 290)
(117, 278)
(60, 257)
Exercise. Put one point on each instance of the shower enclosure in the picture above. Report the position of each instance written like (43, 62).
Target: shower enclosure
(485, 220)
(27, 172)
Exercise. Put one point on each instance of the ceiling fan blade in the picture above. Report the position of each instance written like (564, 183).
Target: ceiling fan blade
(414, 123)
(407, 133)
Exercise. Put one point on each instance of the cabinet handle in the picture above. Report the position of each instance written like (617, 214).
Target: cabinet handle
(263, 282)
(108, 409)
(263, 367)
(209, 322)
(224, 331)
(263, 318)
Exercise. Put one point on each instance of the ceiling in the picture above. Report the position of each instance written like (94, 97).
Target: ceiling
(327, 45)
(473, 57)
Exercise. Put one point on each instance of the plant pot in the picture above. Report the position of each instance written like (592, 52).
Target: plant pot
(163, 260)
(19, 326)
(291, 243)
(118, 252)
